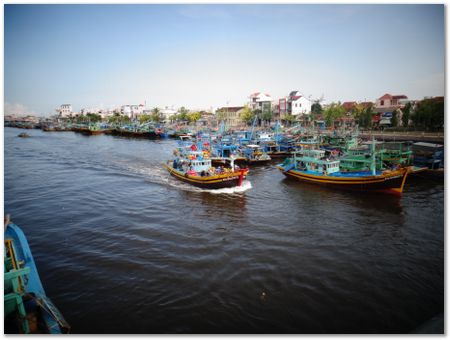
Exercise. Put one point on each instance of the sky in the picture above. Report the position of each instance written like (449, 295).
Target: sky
(202, 56)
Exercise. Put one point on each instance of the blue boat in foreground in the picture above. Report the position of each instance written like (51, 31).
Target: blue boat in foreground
(27, 308)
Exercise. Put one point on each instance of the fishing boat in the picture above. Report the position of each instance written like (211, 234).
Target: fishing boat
(95, 129)
(428, 155)
(193, 165)
(28, 310)
(311, 165)
(254, 155)
(222, 152)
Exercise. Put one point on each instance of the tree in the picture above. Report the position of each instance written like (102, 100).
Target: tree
(194, 116)
(429, 114)
(93, 118)
(365, 117)
(173, 118)
(267, 114)
(156, 115)
(288, 118)
(182, 113)
(258, 114)
(406, 114)
(394, 119)
(358, 112)
(144, 118)
(247, 115)
(119, 119)
(316, 108)
(333, 112)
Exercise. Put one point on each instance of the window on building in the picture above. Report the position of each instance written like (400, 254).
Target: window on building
(382, 102)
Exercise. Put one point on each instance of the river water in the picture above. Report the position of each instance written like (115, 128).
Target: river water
(121, 247)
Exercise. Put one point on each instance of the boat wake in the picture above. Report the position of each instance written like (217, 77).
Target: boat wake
(246, 185)
(157, 175)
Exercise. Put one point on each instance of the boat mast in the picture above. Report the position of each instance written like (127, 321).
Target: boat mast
(253, 127)
(373, 164)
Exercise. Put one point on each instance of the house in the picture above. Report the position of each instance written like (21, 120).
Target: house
(132, 111)
(349, 106)
(260, 101)
(167, 113)
(64, 111)
(282, 104)
(386, 105)
(297, 104)
(230, 115)
(207, 118)
(389, 102)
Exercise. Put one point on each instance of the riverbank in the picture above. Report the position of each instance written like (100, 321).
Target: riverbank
(160, 132)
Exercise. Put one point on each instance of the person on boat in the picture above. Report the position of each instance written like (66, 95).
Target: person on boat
(192, 172)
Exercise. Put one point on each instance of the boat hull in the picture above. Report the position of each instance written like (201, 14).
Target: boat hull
(93, 132)
(32, 294)
(391, 182)
(134, 134)
(210, 182)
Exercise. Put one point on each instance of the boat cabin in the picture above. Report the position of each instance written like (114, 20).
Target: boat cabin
(201, 165)
(311, 153)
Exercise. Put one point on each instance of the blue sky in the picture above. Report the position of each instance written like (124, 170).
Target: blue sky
(210, 55)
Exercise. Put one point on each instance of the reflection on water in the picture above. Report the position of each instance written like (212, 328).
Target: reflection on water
(122, 247)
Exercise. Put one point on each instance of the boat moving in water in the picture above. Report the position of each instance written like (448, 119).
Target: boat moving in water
(193, 165)
(27, 308)
(312, 166)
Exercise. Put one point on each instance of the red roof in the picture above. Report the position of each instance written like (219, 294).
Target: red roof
(348, 105)
(366, 104)
(296, 97)
(386, 96)
(401, 96)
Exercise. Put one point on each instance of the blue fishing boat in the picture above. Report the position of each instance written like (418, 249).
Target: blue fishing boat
(311, 165)
(28, 310)
(254, 155)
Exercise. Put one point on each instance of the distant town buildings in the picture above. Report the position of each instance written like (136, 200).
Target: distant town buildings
(64, 111)
(231, 115)
(260, 101)
(167, 113)
(132, 111)
(297, 104)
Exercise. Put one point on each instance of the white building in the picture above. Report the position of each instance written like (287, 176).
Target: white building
(65, 110)
(132, 111)
(298, 104)
(260, 101)
(167, 113)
